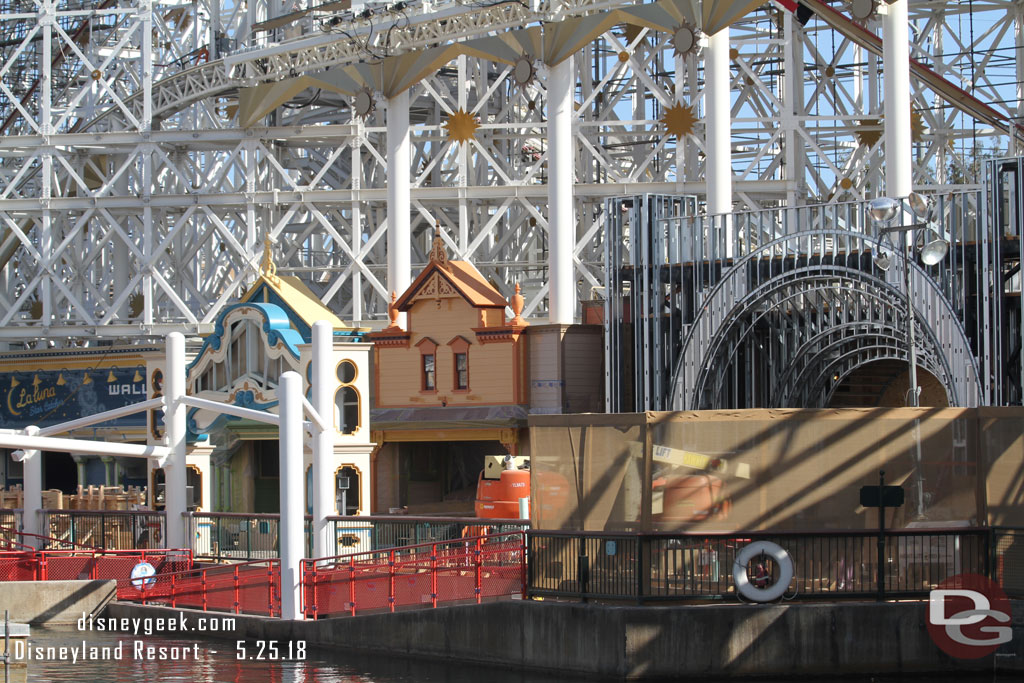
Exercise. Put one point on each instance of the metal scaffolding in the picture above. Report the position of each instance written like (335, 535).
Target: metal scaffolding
(150, 146)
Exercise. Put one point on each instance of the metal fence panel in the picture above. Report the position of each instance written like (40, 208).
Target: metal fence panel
(652, 567)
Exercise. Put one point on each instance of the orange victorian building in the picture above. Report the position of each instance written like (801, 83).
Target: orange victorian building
(451, 387)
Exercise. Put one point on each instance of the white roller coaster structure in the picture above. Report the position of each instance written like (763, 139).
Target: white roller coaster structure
(148, 147)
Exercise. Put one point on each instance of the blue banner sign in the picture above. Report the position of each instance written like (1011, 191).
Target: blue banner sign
(48, 397)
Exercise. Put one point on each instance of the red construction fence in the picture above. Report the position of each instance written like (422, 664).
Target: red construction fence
(65, 560)
(425, 575)
(64, 565)
(243, 588)
(469, 569)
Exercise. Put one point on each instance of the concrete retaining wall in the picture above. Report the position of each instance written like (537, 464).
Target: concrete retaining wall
(54, 602)
(596, 641)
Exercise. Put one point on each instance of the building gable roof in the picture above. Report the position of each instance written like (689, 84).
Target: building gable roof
(461, 276)
(291, 293)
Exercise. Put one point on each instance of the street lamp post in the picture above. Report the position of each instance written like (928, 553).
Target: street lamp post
(883, 211)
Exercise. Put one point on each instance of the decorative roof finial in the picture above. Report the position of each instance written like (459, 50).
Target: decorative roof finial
(268, 268)
(438, 254)
(516, 303)
(393, 311)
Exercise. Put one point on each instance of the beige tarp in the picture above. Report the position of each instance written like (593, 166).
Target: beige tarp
(776, 469)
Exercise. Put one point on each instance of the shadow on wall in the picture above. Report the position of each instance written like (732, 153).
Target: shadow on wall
(776, 469)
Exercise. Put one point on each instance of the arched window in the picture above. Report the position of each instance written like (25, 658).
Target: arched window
(428, 365)
(460, 363)
(346, 410)
(346, 400)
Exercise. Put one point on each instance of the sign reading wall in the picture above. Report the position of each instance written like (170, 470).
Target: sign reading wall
(48, 397)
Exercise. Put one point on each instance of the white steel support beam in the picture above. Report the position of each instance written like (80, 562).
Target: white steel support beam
(121, 255)
(323, 437)
(719, 126)
(32, 474)
(794, 79)
(399, 242)
(292, 526)
(30, 439)
(896, 66)
(561, 204)
(175, 426)
(356, 164)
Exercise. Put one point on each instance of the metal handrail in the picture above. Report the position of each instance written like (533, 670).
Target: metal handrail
(406, 548)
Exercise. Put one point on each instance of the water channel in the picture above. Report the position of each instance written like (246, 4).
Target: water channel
(222, 661)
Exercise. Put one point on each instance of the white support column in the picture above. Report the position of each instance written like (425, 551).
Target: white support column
(896, 67)
(718, 118)
(561, 208)
(146, 15)
(32, 473)
(399, 192)
(122, 260)
(175, 427)
(293, 519)
(792, 108)
(323, 439)
(356, 164)
(47, 18)
(464, 158)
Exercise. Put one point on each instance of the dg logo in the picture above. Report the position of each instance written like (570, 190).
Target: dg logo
(969, 616)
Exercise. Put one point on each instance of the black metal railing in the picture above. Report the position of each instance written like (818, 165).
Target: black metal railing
(10, 518)
(655, 567)
(108, 529)
(362, 534)
(248, 536)
(238, 536)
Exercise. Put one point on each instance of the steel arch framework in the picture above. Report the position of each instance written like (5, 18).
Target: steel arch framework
(825, 350)
(796, 326)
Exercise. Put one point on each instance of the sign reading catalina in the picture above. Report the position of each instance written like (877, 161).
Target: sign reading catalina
(45, 397)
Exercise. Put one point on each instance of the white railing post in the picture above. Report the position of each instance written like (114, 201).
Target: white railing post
(293, 521)
(323, 439)
(32, 462)
(174, 423)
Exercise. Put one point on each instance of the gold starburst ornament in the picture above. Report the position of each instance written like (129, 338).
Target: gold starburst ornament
(461, 126)
(869, 131)
(678, 120)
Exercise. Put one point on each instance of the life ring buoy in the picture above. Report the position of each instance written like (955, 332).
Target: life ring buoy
(739, 571)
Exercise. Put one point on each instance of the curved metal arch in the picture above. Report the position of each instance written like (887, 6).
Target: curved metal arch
(761, 312)
(829, 368)
(724, 287)
(893, 302)
(899, 355)
(712, 305)
(799, 371)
